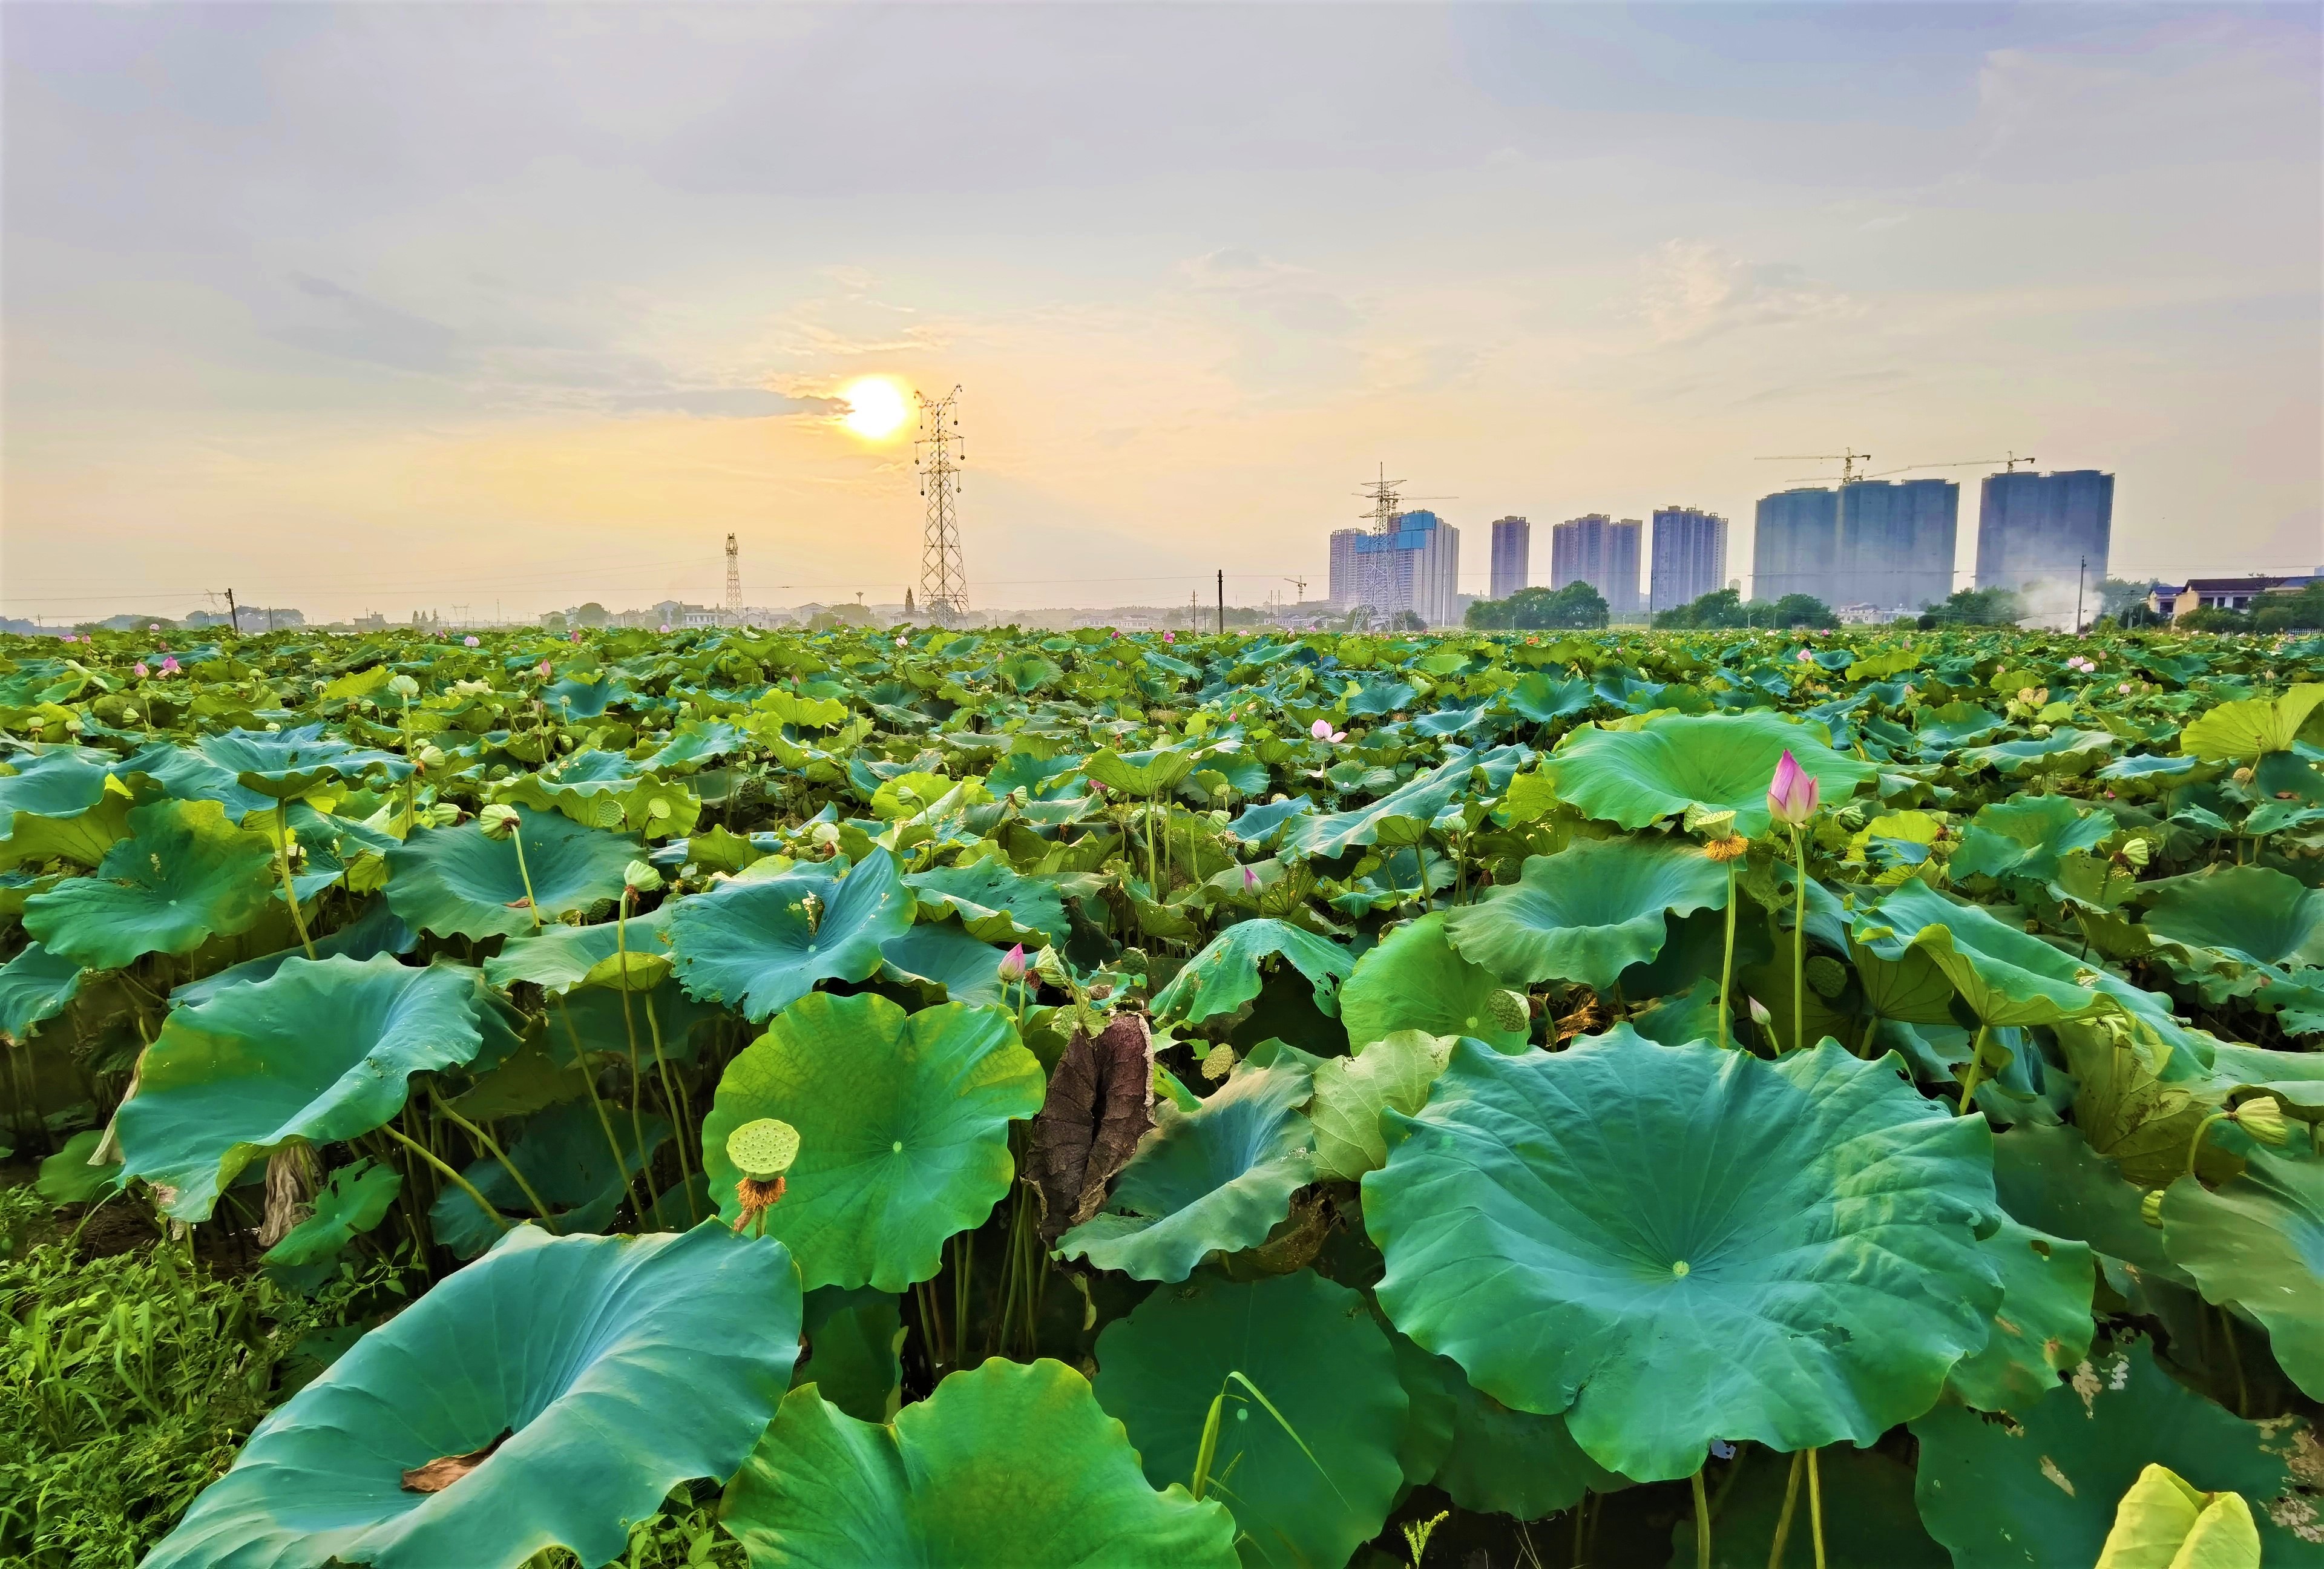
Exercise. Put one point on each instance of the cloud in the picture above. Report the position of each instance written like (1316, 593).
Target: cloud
(1287, 295)
(728, 404)
(329, 319)
(1695, 289)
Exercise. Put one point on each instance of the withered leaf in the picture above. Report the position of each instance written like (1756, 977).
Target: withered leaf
(1100, 1102)
(440, 1473)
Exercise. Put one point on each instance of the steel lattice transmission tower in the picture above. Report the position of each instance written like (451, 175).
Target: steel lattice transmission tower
(734, 583)
(944, 576)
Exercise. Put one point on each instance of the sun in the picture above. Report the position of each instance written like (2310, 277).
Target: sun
(876, 408)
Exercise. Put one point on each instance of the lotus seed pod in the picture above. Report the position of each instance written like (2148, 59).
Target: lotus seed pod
(2150, 1208)
(2262, 1118)
(764, 1149)
(1219, 1061)
(497, 821)
(641, 877)
(1510, 1010)
(1826, 976)
(403, 685)
(442, 814)
(432, 757)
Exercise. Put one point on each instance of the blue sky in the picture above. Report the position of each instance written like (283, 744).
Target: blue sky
(388, 306)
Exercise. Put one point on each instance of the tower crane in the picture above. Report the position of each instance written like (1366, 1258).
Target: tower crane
(1846, 461)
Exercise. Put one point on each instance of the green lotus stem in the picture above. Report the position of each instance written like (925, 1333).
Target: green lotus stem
(462, 1183)
(1799, 941)
(496, 1152)
(532, 904)
(283, 860)
(1727, 963)
(964, 1268)
(1702, 1521)
(1784, 1520)
(1816, 1506)
(2195, 1145)
(1976, 1069)
(677, 1112)
(639, 1196)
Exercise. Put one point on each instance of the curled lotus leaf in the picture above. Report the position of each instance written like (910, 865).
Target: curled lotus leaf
(562, 1385)
(1225, 974)
(184, 876)
(2249, 727)
(1098, 1104)
(1416, 980)
(1799, 1254)
(2043, 1328)
(285, 764)
(2257, 1242)
(1719, 763)
(35, 986)
(322, 1051)
(903, 1128)
(1588, 912)
(758, 945)
(2255, 914)
(942, 1484)
(994, 903)
(1315, 1351)
(460, 882)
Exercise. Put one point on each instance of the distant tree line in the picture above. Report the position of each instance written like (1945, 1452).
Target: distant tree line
(1575, 606)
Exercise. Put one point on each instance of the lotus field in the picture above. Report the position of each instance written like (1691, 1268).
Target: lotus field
(939, 1098)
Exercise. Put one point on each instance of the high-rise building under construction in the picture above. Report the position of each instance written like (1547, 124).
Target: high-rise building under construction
(1872, 542)
(2033, 527)
(1688, 557)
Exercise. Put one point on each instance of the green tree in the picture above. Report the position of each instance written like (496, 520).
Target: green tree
(2301, 612)
(592, 615)
(1975, 608)
(1575, 606)
(1802, 610)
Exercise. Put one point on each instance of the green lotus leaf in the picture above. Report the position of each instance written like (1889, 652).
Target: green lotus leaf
(458, 882)
(1351, 1092)
(1315, 1353)
(599, 1372)
(2042, 1327)
(853, 1338)
(35, 986)
(355, 1200)
(1794, 1264)
(1402, 816)
(566, 1153)
(2041, 1488)
(994, 903)
(322, 1051)
(1226, 975)
(2295, 1078)
(940, 954)
(67, 1177)
(1214, 1179)
(1544, 699)
(1142, 774)
(2257, 1242)
(2242, 731)
(2027, 836)
(1869, 1517)
(1414, 980)
(2253, 913)
(557, 958)
(2048, 1178)
(54, 783)
(184, 876)
(2064, 752)
(903, 1123)
(756, 945)
(283, 765)
(1912, 988)
(1588, 912)
(1007, 1464)
(1512, 1462)
(81, 837)
(376, 930)
(1720, 762)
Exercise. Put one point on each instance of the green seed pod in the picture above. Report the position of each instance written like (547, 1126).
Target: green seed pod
(1510, 1010)
(2150, 1208)
(642, 877)
(764, 1149)
(497, 821)
(1827, 976)
(2262, 1118)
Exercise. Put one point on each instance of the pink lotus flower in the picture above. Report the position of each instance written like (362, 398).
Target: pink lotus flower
(575, 637)
(140, 671)
(2123, 689)
(1805, 658)
(470, 641)
(1012, 963)
(1792, 795)
(665, 626)
(543, 668)
(1249, 881)
(1169, 637)
(169, 665)
(1322, 730)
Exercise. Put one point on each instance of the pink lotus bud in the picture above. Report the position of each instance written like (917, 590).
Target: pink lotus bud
(665, 626)
(1249, 881)
(169, 665)
(544, 670)
(470, 641)
(140, 669)
(1012, 963)
(1169, 637)
(1791, 796)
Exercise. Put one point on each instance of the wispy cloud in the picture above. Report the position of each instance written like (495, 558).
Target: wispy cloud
(1695, 289)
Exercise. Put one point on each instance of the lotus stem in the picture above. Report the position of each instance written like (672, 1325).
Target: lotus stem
(2195, 1145)
(678, 1111)
(283, 860)
(639, 1196)
(1799, 941)
(1816, 1506)
(1702, 1521)
(493, 1149)
(532, 904)
(1784, 1520)
(1976, 1069)
(1727, 966)
(462, 1183)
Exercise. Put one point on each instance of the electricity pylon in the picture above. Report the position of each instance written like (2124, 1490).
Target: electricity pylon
(944, 575)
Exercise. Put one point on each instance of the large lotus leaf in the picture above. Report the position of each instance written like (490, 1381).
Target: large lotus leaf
(377, 930)
(1317, 1354)
(1351, 1092)
(81, 837)
(1414, 980)
(1511, 1462)
(458, 882)
(2027, 836)
(566, 1155)
(995, 904)
(852, 1339)
(2243, 729)
(599, 1372)
(355, 1200)
(2258, 1243)
(54, 784)
(903, 1124)
(1225, 974)
(2065, 751)
(1399, 817)
(1588, 912)
(1869, 1517)
(756, 945)
(284, 765)
(2296, 1078)
(941, 955)
(184, 876)
(322, 1051)
(1678, 1244)
(557, 958)
(35, 986)
(2049, 1178)
(2042, 1327)
(1912, 988)
(1144, 774)
(2041, 1491)
(1216, 1178)
(1720, 762)
(2253, 913)
(1544, 699)
(1007, 1464)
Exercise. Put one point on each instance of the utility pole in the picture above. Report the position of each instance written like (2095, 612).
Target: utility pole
(1222, 601)
(233, 616)
(734, 583)
(2082, 566)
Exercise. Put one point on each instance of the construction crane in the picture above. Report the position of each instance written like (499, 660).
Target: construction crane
(1846, 461)
(1300, 583)
(2009, 465)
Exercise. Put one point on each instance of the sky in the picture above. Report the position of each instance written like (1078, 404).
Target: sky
(394, 306)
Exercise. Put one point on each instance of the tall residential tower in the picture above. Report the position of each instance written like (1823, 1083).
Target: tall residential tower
(2033, 527)
(1597, 550)
(1690, 556)
(1512, 556)
(1872, 542)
